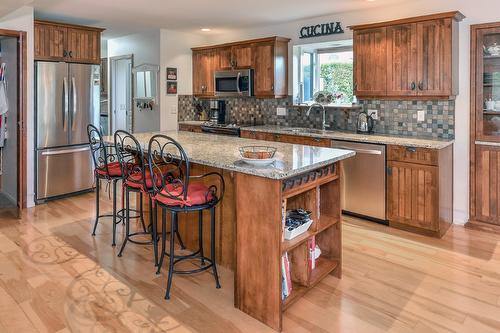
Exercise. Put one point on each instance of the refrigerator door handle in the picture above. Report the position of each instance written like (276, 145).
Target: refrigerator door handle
(66, 104)
(73, 115)
(64, 151)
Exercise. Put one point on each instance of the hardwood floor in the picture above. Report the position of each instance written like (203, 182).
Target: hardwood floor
(56, 277)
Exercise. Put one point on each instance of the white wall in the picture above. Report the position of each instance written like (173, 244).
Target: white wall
(146, 49)
(176, 52)
(479, 11)
(22, 20)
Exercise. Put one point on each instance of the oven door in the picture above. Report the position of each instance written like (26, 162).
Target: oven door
(233, 83)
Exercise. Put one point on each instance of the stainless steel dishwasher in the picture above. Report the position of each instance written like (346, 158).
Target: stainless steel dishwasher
(364, 191)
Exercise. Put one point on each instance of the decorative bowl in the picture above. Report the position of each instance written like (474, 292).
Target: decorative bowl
(257, 152)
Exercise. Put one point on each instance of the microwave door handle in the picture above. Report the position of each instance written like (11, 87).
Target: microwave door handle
(238, 78)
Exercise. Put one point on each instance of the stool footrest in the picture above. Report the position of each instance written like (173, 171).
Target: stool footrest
(129, 237)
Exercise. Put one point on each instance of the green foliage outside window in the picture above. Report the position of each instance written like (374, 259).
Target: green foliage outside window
(338, 78)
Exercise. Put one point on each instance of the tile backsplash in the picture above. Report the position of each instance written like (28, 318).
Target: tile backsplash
(394, 117)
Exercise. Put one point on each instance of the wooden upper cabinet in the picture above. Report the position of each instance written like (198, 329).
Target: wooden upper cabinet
(84, 45)
(242, 56)
(401, 67)
(268, 57)
(421, 57)
(65, 42)
(435, 58)
(50, 42)
(370, 52)
(205, 63)
(225, 58)
(264, 69)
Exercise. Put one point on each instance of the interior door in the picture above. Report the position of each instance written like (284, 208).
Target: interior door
(84, 100)
(52, 104)
(121, 95)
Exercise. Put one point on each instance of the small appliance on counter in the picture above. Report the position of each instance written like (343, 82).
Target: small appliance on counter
(365, 123)
(218, 112)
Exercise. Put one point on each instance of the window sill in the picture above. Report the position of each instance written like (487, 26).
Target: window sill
(331, 106)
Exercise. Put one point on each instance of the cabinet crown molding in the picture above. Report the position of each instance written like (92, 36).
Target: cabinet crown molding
(249, 41)
(68, 25)
(456, 15)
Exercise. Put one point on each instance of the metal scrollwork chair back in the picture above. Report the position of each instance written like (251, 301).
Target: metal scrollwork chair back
(102, 154)
(131, 157)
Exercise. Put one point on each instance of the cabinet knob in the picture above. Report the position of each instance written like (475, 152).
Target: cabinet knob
(272, 87)
(411, 149)
(421, 85)
(317, 139)
(413, 86)
(276, 136)
(65, 53)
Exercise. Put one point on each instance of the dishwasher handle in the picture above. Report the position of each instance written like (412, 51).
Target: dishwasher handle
(361, 151)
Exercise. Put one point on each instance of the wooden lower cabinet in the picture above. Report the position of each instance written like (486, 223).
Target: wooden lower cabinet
(420, 189)
(286, 138)
(485, 202)
(412, 191)
(190, 128)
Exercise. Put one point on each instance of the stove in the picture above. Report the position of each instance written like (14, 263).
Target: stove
(225, 129)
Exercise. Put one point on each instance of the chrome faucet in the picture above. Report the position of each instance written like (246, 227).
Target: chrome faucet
(325, 125)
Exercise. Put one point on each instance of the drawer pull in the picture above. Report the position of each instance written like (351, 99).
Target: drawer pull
(411, 149)
(317, 139)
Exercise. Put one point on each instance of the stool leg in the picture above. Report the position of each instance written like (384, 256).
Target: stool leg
(152, 219)
(96, 204)
(127, 221)
(200, 236)
(142, 213)
(181, 243)
(172, 255)
(212, 246)
(163, 238)
(114, 212)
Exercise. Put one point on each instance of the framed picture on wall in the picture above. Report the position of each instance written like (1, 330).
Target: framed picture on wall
(171, 88)
(172, 73)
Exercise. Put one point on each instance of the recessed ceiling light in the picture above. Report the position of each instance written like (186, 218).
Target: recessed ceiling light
(370, 0)
(205, 29)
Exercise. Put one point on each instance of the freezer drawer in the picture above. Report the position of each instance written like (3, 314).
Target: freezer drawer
(63, 171)
(364, 189)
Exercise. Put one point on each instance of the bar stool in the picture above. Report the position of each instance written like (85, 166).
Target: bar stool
(106, 167)
(175, 193)
(136, 179)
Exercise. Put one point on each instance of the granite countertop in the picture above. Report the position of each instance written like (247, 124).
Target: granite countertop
(406, 141)
(221, 151)
(193, 122)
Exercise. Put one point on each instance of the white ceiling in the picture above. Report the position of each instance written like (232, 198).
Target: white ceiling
(122, 17)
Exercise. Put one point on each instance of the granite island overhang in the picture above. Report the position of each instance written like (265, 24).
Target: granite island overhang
(250, 218)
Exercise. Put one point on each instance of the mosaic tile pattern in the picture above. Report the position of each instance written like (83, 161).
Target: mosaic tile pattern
(395, 117)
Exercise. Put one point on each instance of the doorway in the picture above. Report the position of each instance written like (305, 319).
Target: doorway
(13, 69)
(121, 113)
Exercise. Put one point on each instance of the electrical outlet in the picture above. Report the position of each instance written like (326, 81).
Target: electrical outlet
(420, 115)
(173, 109)
(281, 111)
(373, 113)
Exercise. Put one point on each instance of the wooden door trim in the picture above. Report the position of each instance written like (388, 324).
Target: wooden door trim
(110, 91)
(22, 102)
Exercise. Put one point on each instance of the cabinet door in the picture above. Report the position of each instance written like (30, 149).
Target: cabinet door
(84, 46)
(401, 60)
(412, 195)
(225, 58)
(487, 177)
(434, 58)
(263, 63)
(49, 42)
(370, 62)
(242, 56)
(205, 63)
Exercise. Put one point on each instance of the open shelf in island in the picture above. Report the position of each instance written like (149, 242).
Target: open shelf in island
(258, 281)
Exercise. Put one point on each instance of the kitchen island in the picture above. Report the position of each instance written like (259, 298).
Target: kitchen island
(250, 231)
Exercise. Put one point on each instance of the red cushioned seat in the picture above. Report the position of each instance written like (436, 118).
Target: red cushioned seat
(114, 168)
(135, 180)
(197, 195)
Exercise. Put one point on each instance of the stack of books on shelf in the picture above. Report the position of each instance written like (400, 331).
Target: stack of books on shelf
(286, 278)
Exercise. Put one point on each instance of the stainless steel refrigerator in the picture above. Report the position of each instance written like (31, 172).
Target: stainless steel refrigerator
(67, 100)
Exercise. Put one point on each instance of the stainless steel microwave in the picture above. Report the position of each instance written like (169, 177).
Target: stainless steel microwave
(234, 83)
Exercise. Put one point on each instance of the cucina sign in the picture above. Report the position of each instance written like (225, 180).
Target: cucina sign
(324, 29)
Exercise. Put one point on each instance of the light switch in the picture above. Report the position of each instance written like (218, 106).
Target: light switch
(420, 115)
(281, 111)
(173, 109)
